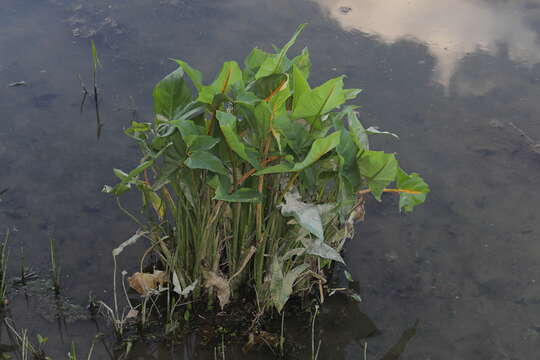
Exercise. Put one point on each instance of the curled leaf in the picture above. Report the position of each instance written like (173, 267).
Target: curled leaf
(375, 130)
(321, 249)
(178, 288)
(146, 283)
(307, 215)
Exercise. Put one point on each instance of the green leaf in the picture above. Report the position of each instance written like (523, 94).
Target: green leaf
(355, 297)
(246, 97)
(320, 100)
(346, 148)
(318, 149)
(127, 180)
(189, 111)
(95, 59)
(255, 58)
(360, 135)
(41, 339)
(278, 100)
(206, 94)
(121, 174)
(303, 62)
(274, 64)
(171, 93)
(379, 169)
(200, 142)
(205, 160)
(241, 195)
(183, 122)
(261, 120)
(295, 133)
(185, 127)
(194, 74)
(411, 182)
(139, 169)
(281, 287)
(229, 75)
(269, 86)
(300, 86)
(253, 62)
(351, 94)
(349, 179)
(227, 123)
(221, 184)
(137, 130)
(150, 197)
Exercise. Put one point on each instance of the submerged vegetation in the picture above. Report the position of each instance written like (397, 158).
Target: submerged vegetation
(250, 186)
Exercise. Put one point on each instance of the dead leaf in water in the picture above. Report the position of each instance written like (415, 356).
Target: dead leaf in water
(146, 283)
(17, 83)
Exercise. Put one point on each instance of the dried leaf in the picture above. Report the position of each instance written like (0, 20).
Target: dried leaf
(319, 248)
(132, 314)
(245, 260)
(145, 283)
(281, 286)
(307, 215)
(222, 286)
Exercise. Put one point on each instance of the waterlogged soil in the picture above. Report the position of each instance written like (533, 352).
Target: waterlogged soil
(454, 78)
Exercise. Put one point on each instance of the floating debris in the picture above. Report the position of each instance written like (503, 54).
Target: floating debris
(534, 146)
(17, 83)
(496, 123)
(83, 28)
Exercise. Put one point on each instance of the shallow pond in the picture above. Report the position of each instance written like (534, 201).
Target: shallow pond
(458, 80)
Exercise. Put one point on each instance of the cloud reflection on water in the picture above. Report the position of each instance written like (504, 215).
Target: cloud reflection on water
(450, 29)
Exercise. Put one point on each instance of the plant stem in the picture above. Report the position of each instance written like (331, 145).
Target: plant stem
(54, 266)
(406, 191)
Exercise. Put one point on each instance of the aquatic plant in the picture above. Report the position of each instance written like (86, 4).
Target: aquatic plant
(55, 269)
(4, 256)
(253, 184)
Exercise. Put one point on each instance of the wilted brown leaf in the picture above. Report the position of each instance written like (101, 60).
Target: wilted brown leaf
(222, 286)
(146, 283)
(132, 314)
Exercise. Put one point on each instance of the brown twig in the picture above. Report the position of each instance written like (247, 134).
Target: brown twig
(253, 171)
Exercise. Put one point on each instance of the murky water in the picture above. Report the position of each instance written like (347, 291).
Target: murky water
(449, 76)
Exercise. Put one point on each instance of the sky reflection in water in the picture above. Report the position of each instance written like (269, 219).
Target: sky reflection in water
(451, 29)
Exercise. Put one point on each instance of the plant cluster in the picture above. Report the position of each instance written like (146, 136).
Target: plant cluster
(255, 180)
